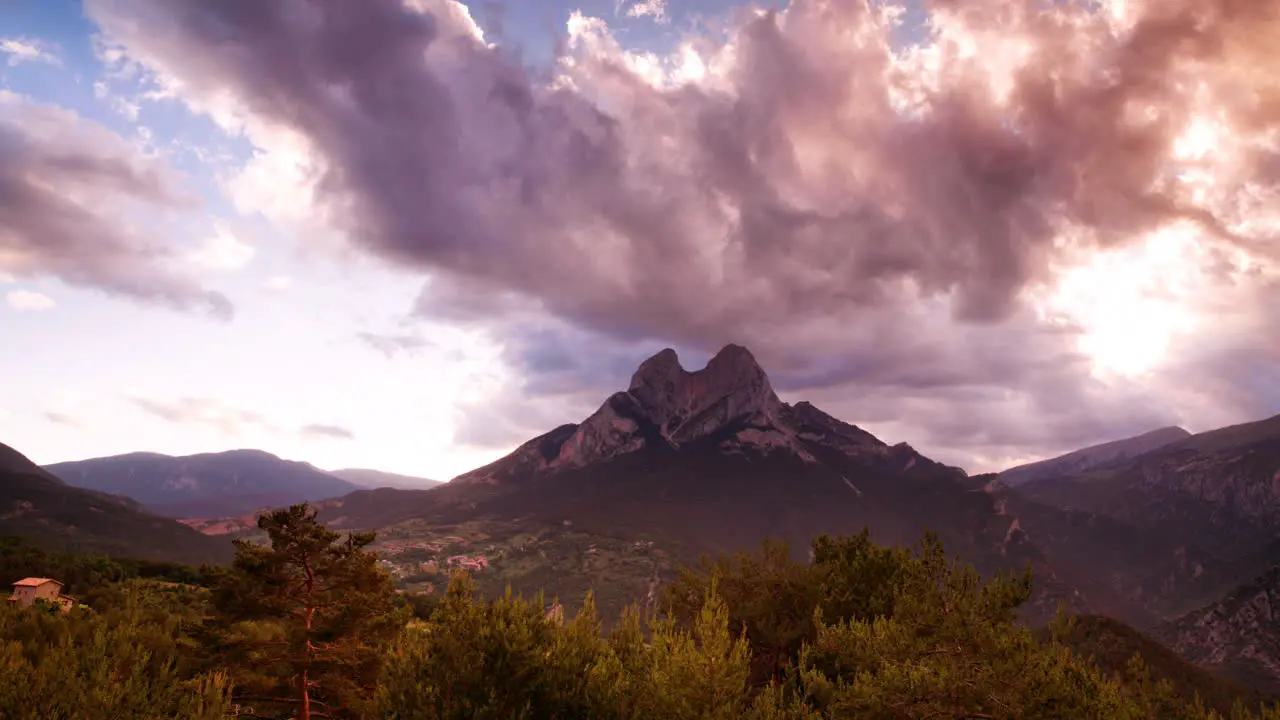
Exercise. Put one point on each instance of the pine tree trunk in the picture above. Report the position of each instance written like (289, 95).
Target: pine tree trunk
(304, 708)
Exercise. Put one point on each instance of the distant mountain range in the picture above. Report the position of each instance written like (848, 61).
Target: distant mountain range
(205, 485)
(372, 479)
(41, 509)
(1096, 456)
(217, 485)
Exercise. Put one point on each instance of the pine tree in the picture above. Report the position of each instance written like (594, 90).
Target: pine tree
(302, 624)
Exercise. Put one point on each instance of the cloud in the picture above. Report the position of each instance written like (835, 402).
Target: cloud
(72, 408)
(79, 203)
(278, 284)
(59, 418)
(392, 344)
(891, 219)
(204, 411)
(27, 300)
(118, 104)
(656, 9)
(20, 50)
(223, 251)
(332, 432)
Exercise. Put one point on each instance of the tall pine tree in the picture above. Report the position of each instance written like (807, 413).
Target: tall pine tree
(302, 623)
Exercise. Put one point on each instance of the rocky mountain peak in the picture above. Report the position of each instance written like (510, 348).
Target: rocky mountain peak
(663, 367)
(734, 360)
(729, 402)
(685, 405)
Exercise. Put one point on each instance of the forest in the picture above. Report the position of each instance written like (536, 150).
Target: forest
(308, 626)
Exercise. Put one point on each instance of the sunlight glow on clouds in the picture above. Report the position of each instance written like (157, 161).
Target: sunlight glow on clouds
(28, 300)
(279, 283)
(223, 251)
(1133, 303)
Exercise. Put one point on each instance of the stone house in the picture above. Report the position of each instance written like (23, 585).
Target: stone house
(28, 590)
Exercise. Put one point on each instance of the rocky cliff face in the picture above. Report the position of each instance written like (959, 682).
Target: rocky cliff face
(730, 401)
(689, 405)
(1238, 635)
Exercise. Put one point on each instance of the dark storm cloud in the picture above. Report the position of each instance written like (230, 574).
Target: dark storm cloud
(852, 213)
(558, 359)
(701, 212)
(68, 189)
(332, 432)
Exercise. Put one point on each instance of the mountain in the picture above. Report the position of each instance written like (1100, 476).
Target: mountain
(1173, 540)
(373, 479)
(691, 462)
(1213, 498)
(206, 485)
(1238, 635)
(708, 461)
(38, 507)
(1093, 457)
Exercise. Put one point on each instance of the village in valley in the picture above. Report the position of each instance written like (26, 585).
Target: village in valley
(499, 555)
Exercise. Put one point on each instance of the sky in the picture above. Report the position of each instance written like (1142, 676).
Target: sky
(411, 234)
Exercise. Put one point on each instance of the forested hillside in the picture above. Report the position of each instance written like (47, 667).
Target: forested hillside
(308, 626)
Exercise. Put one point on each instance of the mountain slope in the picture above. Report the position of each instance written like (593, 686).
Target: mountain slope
(1216, 494)
(205, 485)
(1182, 527)
(1110, 644)
(1093, 457)
(374, 479)
(1238, 635)
(40, 508)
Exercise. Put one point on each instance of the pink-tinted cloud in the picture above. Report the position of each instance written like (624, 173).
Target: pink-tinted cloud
(75, 202)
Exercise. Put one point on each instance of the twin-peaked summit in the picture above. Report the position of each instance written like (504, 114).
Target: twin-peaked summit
(688, 405)
(729, 406)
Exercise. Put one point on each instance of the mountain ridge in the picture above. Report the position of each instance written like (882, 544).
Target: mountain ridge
(1094, 456)
(202, 485)
(370, 479)
(37, 506)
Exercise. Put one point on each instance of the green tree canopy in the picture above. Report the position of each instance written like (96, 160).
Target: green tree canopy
(302, 623)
